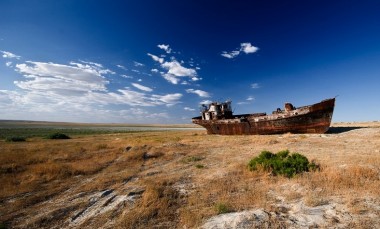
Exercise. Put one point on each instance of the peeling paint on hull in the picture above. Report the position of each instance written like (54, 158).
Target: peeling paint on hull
(313, 119)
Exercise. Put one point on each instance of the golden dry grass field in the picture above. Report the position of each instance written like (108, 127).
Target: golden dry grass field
(184, 179)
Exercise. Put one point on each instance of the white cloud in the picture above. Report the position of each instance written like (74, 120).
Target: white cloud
(8, 64)
(121, 66)
(79, 84)
(169, 99)
(201, 93)
(139, 80)
(171, 78)
(247, 48)
(127, 77)
(205, 102)
(141, 87)
(92, 66)
(175, 68)
(188, 109)
(10, 55)
(137, 64)
(154, 70)
(165, 47)
(34, 106)
(62, 78)
(92, 63)
(250, 98)
(231, 54)
(255, 85)
(78, 92)
(134, 70)
(242, 103)
(156, 58)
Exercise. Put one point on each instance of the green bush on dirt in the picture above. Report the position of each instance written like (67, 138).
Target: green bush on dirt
(222, 208)
(15, 139)
(58, 136)
(282, 163)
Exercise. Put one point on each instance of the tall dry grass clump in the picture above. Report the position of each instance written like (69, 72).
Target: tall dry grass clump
(338, 180)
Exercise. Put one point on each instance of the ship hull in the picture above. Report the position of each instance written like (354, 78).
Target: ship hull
(315, 119)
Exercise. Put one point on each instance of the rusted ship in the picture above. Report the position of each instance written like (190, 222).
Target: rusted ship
(218, 118)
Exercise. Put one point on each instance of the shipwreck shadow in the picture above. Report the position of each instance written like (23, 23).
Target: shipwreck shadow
(342, 129)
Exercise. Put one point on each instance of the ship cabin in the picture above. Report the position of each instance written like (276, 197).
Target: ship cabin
(217, 110)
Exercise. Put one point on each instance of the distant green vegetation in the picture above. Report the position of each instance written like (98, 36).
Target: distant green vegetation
(43, 132)
(27, 130)
(282, 163)
(57, 136)
(15, 139)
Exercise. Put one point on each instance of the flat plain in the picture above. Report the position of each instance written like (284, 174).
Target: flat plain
(188, 179)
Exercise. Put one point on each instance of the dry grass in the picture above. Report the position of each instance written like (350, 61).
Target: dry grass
(39, 176)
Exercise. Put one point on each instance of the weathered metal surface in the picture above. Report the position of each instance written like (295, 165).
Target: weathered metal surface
(314, 118)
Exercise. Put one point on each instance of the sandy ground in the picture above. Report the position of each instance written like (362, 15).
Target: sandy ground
(205, 170)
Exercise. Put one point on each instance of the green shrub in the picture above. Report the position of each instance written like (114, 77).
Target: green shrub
(58, 136)
(222, 208)
(15, 139)
(191, 159)
(282, 163)
(199, 166)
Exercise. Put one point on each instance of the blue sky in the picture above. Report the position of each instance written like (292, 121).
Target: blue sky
(156, 61)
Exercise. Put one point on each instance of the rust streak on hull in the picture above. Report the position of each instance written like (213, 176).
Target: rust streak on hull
(313, 119)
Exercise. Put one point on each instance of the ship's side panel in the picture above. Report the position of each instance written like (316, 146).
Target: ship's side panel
(313, 122)
(309, 119)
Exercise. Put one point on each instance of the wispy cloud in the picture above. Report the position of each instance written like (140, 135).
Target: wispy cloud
(173, 68)
(8, 64)
(121, 67)
(255, 86)
(169, 99)
(188, 109)
(78, 84)
(138, 64)
(141, 87)
(9, 55)
(74, 78)
(156, 58)
(205, 102)
(248, 100)
(231, 54)
(165, 47)
(201, 93)
(247, 48)
(126, 76)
